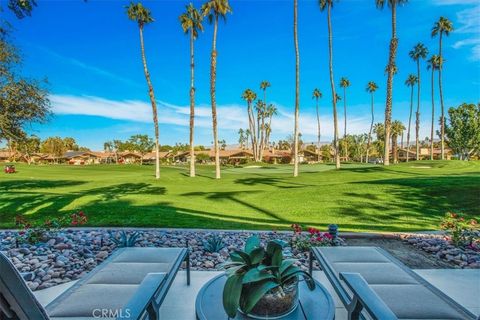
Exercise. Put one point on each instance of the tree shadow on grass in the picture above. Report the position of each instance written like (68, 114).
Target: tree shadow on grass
(37, 184)
(51, 203)
(420, 201)
(271, 181)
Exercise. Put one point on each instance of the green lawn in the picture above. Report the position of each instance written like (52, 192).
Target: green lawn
(403, 197)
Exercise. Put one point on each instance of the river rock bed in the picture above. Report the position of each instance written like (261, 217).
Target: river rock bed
(437, 245)
(72, 253)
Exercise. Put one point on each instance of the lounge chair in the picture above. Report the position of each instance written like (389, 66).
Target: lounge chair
(373, 284)
(131, 284)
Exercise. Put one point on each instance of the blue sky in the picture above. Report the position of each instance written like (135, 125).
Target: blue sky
(89, 51)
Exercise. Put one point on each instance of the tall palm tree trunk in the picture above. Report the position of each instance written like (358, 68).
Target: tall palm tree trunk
(345, 122)
(391, 66)
(318, 132)
(442, 117)
(154, 106)
(417, 115)
(370, 132)
(433, 115)
(409, 123)
(251, 124)
(332, 85)
(262, 138)
(213, 78)
(192, 104)
(297, 88)
(394, 147)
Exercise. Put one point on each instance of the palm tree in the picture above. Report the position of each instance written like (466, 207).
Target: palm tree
(442, 26)
(191, 22)
(247, 134)
(418, 52)
(345, 83)
(317, 95)
(250, 96)
(410, 82)
(241, 138)
(271, 111)
(433, 64)
(371, 88)
(263, 134)
(138, 13)
(391, 70)
(215, 9)
(328, 4)
(397, 130)
(297, 87)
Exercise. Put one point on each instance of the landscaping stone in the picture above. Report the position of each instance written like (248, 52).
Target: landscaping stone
(77, 251)
(463, 257)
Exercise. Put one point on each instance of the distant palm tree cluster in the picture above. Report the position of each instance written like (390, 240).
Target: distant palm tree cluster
(260, 113)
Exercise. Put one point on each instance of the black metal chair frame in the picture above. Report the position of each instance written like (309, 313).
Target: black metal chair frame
(364, 298)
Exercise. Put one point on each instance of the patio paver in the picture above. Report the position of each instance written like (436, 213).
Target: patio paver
(463, 285)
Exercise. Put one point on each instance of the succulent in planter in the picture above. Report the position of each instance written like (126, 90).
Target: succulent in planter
(260, 282)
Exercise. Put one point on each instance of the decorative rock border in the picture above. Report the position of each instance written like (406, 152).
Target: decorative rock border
(438, 246)
(72, 253)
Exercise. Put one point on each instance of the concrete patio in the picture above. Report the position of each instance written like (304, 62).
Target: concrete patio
(463, 285)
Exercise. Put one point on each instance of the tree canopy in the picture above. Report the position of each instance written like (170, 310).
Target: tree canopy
(463, 130)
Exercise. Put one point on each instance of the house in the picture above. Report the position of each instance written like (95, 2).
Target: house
(129, 157)
(81, 157)
(424, 154)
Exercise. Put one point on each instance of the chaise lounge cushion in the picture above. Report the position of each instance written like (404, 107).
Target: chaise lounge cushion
(406, 295)
(114, 283)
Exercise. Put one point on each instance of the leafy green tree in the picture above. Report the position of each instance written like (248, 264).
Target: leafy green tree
(371, 88)
(417, 53)
(28, 146)
(53, 146)
(391, 69)
(70, 144)
(23, 101)
(432, 65)
(191, 22)
(142, 16)
(441, 27)
(328, 4)
(317, 95)
(215, 9)
(463, 130)
(410, 82)
(142, 144)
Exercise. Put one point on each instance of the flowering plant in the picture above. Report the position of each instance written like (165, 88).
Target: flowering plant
(461, 232)
(312, 238)
(40, 232)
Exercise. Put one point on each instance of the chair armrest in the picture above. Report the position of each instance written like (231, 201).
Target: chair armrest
(143, 301)
(365, 297)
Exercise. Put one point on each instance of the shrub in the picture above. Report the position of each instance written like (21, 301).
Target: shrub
(461, 232)
(214, 243)
(124, 240)
(313, 238)
(34, 233)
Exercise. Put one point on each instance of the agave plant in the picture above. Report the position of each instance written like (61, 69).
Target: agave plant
(256, 271)
(214, 243)
(123, 240)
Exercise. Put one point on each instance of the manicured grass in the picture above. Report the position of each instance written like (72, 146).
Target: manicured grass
(405, 197)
